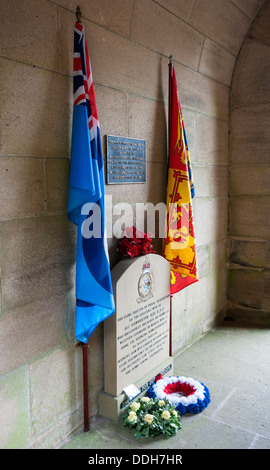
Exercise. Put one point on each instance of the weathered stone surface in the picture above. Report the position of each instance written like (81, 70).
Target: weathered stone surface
(249, 216)
(180, 8)
(57, 179)
(146, 31)
(260, 29)
(31, 112)
(23, 30)
(27, 332)
(22, 191)
(216, 62)
(212, 226)
(151, 126)
(266, 291)
(251, 7)
(35, 267)
(194, 90)
(212, 140)
(201, 177)
(15, 415)
(246, 124)
(108, 101)
(217, 291)
(180, 338)
(250, 180)
(56, 387)
(203, 257)
(197, 307)
(249, 315)
(222, 22)
(246, 287)
(218, 255)
(250, 80)
(250, 253)
(218, 176)
(111, 14)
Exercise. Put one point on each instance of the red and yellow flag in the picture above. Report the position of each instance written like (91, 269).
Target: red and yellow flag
(180, 247)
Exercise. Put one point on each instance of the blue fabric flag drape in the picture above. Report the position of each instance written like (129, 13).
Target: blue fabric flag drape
(86, 201)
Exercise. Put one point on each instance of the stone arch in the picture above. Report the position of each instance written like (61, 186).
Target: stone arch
(249, 188)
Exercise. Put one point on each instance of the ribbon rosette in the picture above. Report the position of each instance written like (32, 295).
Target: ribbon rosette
(185, 394)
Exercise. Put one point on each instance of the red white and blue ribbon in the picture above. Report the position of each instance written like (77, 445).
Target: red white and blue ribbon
(185, 394)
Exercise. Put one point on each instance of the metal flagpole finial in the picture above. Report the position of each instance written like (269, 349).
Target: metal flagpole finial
(78, 13)
(171, 59)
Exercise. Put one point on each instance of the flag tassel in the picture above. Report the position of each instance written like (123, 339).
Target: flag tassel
(85, 348)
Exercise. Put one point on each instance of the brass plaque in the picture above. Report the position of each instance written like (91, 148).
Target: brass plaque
(126, 161)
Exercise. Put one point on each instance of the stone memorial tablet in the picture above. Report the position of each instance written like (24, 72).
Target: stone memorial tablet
(136, 337)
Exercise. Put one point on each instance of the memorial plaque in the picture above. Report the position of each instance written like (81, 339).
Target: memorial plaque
(136, 337)
(126, 161)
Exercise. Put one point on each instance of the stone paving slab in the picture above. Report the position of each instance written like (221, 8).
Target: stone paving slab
(233, 362)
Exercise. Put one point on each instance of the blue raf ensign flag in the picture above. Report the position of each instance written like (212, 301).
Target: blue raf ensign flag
(86, 200)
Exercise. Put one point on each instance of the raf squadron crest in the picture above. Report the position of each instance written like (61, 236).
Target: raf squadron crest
(145, 283)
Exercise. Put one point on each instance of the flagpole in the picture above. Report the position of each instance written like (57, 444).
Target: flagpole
(78, 13)
(169, 136)
(170, 103)
(85, 347)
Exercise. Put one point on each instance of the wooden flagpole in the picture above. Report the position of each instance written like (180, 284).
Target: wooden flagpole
(169, 136)
(170, 101)
(84, 346)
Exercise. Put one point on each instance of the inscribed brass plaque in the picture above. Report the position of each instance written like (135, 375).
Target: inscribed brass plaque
(126, 161)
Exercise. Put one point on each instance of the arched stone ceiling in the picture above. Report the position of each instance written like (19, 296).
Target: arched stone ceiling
(224, 24)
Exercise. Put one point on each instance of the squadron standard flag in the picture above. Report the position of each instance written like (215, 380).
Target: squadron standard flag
(179, 248)
(86, 209)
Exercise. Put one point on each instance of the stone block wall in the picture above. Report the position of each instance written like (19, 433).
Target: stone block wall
(249, 187)
(129, 43)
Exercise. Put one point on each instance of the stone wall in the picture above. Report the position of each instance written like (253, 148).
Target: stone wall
(129, 42)
(248, 288)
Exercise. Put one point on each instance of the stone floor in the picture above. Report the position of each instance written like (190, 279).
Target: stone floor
(233, 361)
